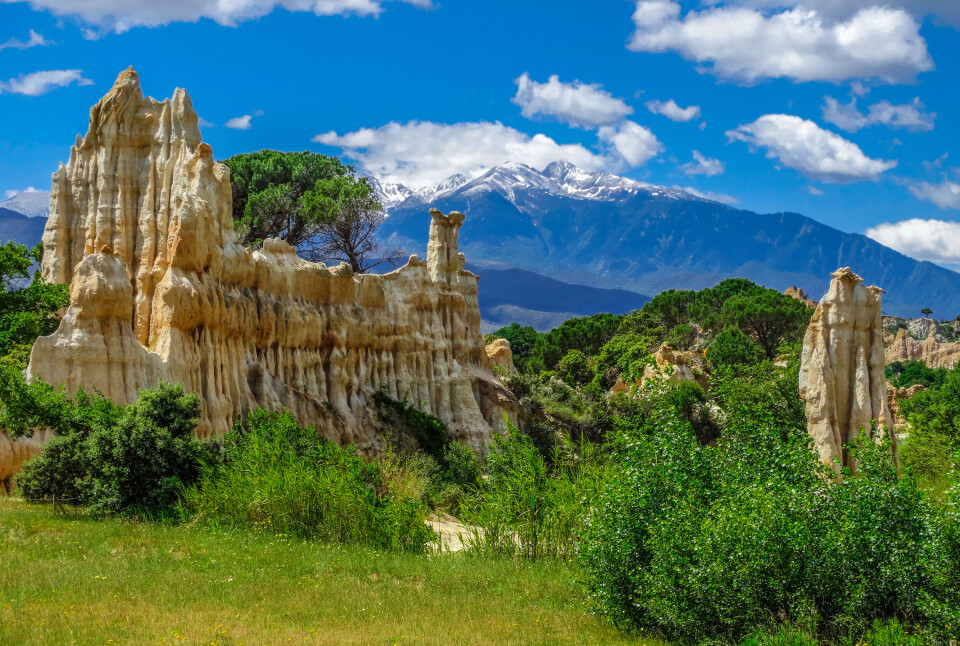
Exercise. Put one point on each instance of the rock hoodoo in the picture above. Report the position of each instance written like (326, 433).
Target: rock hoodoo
(140, 226)
(842, 369)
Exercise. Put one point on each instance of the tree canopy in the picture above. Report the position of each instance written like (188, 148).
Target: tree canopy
(313, 202)
(28, 312)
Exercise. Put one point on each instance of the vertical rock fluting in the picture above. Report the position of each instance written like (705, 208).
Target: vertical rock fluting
(842, 370)
(141, 228)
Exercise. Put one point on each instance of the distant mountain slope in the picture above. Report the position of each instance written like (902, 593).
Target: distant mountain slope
(34, 204)
(18, 227)
(508, 295)
(606, 231)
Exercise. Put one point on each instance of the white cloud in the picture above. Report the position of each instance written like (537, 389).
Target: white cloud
(631, 141)
(35, 40)
(910, 116)
(802, 145)
(672, 111)
(577, 104)
(946, 194)
(423, 153)
(39, 83)
(203, 123)
(242, 122)
(946, 11)
(703, 166)
(12, 193)
(747, 45)
(813, 190)
(122, 15)
(709, 195)
(933, 240)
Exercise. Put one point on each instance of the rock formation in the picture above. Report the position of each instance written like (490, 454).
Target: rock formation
(141, 228)
(13, 453)
(897, 395)
(800, 295)
(934, 353)
(842, 369)
(499, 353)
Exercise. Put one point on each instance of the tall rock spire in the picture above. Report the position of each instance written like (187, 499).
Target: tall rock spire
(842, 370)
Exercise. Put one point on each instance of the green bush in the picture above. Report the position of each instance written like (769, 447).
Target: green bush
(119, 460)
(731, 347)
(574, 368)
(681, 337)
(904, 374)
(279, 477)
(706, 542)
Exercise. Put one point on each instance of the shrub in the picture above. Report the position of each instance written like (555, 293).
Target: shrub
(731, 347)
(278, 476)
(706, 542)
(574, 368)
(681, 337)
(116, 460)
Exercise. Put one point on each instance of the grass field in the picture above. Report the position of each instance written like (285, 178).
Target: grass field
(67, 580)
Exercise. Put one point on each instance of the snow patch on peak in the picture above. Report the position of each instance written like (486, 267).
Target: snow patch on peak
(31, 203)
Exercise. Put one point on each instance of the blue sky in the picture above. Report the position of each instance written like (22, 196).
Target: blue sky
(831, 108)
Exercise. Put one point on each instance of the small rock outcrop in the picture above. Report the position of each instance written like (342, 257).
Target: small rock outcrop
(800, 295)
(842, 369)
(499, 354)
(160, 288)
(895, 396)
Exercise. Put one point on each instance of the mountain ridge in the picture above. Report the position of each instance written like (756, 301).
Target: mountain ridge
(601, 230)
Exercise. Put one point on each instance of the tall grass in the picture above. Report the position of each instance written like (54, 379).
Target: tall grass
(279, 478)
(527, 507)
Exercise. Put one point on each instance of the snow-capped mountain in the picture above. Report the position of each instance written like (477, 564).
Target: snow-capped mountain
(560, 179)
(33, 204)
(605, 231)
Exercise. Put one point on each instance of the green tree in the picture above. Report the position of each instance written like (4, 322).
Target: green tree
(708, 303)
(926, 311)
(28, 312)
(574, 368)
(671, 307)
(313, 202)
(768, 316)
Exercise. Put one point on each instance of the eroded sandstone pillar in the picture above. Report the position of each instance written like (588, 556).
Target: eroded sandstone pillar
(842, 370)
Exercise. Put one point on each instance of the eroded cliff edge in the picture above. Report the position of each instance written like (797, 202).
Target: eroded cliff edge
(140, 227)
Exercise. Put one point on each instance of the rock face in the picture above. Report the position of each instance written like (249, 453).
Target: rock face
(141, 228)
(842, 369)
(934, 353)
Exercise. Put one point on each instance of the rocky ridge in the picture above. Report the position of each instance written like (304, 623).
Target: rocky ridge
(160, 288)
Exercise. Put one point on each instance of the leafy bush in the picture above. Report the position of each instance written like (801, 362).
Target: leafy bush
(681, 337)
(276, 475)
(731, 347)
(118, 460)
(903, 374)
(706, 542)
(936, 411)
(574, 368)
